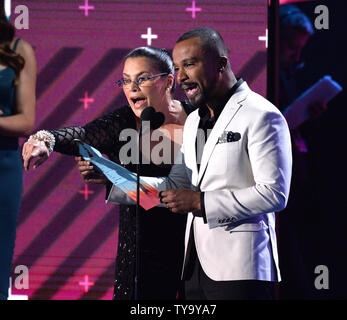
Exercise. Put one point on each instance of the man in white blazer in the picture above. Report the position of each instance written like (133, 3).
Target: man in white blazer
(243, 177)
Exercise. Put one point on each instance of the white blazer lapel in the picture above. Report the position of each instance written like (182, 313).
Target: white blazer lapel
(224, 118)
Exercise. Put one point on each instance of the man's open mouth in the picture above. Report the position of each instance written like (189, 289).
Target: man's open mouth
(190, 89)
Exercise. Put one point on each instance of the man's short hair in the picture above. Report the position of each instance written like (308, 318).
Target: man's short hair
(211, 40)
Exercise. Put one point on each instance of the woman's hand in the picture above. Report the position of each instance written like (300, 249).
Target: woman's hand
(34, 148)
(88, 173)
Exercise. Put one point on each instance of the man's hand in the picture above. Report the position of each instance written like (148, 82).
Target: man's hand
(88, 173)
(181, 201)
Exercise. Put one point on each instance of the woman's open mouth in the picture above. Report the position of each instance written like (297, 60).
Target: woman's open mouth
(139, 102)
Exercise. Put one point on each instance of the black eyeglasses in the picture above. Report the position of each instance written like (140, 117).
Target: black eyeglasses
(140, 81)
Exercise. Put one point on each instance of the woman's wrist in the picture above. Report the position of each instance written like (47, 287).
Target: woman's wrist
(46, 137)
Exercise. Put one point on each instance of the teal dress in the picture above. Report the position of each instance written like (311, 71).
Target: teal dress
(10, 182)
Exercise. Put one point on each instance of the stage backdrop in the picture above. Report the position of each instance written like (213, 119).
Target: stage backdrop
(67, 235)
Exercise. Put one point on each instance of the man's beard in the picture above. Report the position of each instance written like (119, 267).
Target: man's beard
(200, 102)
(204, 98)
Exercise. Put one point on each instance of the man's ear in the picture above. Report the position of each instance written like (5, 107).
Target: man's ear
(223, 63)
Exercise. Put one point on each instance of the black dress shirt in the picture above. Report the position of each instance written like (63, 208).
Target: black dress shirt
(206, 124)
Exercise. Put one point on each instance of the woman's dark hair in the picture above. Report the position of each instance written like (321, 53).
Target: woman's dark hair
(160, 57)
(7, 56)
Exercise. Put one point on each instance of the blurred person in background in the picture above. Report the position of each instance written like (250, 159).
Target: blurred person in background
(297, 248)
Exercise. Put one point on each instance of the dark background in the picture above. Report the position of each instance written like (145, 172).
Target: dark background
(325, 54)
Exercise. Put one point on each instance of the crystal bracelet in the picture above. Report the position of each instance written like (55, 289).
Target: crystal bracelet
(46, 137)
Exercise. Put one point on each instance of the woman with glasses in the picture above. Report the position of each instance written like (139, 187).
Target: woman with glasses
(17, 117)
(148, 80)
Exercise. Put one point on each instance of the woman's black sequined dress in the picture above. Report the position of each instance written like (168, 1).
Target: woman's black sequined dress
(162, 232)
